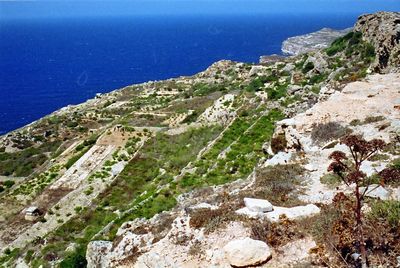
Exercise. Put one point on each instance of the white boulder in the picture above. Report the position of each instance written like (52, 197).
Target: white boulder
(251, 214)
(246, 252)
(258, 205)
(292, 213)
(376, 191)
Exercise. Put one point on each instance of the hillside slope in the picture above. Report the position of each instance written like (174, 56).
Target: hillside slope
(206, 170)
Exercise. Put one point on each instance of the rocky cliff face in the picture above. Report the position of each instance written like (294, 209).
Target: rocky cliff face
(382, 30)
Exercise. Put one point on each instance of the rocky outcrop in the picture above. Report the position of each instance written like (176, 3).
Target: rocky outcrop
(247, 252)
(310, 42)
(258, 205)
(382, 30)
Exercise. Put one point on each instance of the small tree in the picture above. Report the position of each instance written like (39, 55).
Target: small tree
(350, 172)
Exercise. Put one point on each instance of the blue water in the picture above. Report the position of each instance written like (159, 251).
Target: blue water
(46, 64)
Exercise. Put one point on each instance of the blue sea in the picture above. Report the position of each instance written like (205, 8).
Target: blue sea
(46, 64)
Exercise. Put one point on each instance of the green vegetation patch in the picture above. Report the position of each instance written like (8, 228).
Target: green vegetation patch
(242, 143)
(331, 179)
(387, 210)
(134, 190)
(24, 162)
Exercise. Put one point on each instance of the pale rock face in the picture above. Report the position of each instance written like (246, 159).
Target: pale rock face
(117, 168)
(221, 111)
(293, 89)
(292, 213)
(396, 194)
(251, 214)
(320, 64)
(376, 191)
(108, 254)
(245, 252)
(258, 205)
(155, 260)
(203, 206)
(281, 158)
(368, 167)
(257, 70)
(335, 72)
(289, 67)
(21, 264)
(96, 253)
(181, 230)
(387, 43)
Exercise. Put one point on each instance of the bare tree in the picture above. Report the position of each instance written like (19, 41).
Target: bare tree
(350, 172)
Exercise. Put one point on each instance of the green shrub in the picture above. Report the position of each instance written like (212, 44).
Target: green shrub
(386, 210)
(8, 183)
(255, 85)
(23, 163)
(396, 163)
(203, 89)
(341, 43)
(318, 78)
(373, 119)
(277, 92)
(191, 117)
(331, 179)
(75, 259)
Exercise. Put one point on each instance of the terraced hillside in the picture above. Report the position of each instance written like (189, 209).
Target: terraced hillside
(155, 173)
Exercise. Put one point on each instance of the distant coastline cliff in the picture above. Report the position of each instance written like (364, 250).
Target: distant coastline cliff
(313, 41)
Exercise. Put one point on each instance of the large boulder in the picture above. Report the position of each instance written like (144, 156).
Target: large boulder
(376, 191)
(382, 30)
(258, 205)
(247, 252)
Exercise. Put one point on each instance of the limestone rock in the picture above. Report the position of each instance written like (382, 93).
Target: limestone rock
(376, 191)
(245, 252)
(155, 260)
(293, 89)
(96, 253)
(281, 158)
(257, 70)
(247, 212)
(258, 205)
(203, 206)
(319, 62)
(382, 30)
(292, 213)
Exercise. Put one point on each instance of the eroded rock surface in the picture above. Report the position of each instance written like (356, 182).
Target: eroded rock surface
(387, 42)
